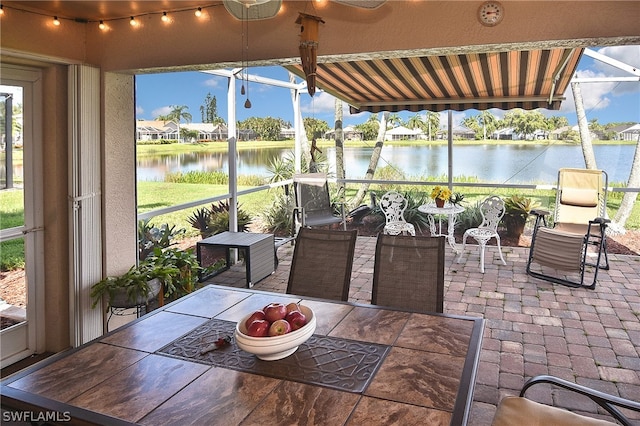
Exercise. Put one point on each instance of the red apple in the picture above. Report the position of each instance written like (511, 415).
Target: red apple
(279, 327)
(258, 328)
(292, 307)
(274, 312)
(297, 319)
(257, 315)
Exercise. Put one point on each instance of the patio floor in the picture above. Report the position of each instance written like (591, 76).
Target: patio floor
(534, 327)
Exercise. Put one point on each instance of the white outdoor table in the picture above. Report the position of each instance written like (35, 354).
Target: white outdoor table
(451, 210)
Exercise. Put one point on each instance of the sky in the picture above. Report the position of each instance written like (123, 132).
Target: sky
(155, 94)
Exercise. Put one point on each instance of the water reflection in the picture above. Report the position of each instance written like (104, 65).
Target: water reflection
(521, 163)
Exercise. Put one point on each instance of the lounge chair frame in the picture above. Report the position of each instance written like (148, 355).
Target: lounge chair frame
(565, 245)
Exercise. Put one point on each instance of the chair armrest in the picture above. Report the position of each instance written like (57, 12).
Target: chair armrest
(540, 212)
(606, 401)
(600, 220)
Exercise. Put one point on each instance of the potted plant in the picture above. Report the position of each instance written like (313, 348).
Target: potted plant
(184, 267)
(440, 195)
(516, 212)
(137, 286)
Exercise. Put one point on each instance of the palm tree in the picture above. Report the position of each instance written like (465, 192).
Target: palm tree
(177, 114)
(433, 123)
(394, 120)
(416, 122)
(375, 156)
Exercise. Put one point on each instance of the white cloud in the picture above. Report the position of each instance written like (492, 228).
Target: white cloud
(213, 82)
(595, 96)
(629, 55)
(165, 110)
(139, 110)
(322, 102)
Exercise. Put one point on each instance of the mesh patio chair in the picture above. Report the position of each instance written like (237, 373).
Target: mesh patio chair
(321, 264)
(313, 203)
(393, 204)
(514, 410)
(408, 273)
(492, 210)
(561, 253)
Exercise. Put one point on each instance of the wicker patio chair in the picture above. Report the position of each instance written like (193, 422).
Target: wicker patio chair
(492, 210)
(514, 410)
(322, 262)
(561, 253)
(409, 273)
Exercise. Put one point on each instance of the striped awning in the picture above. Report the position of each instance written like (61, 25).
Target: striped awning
(525, 79)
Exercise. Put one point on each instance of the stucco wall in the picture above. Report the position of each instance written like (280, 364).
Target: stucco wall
(119, 177)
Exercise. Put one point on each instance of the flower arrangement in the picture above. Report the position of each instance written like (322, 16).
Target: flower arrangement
(441, 193)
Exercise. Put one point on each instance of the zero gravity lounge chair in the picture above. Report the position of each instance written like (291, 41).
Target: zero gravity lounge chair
(563, 253)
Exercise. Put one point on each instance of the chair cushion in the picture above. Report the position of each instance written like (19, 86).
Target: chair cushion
(579, 197)
(515, 410)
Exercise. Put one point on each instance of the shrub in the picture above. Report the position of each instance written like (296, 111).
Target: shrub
(277, 218)
(216, 219)
(151, 237)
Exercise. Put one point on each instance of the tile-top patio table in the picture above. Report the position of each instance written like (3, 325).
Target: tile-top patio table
(259, 250)
(451, 210)
(363, 365)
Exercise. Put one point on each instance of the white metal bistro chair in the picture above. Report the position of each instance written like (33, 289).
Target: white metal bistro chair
(393, 204)
(492, 210)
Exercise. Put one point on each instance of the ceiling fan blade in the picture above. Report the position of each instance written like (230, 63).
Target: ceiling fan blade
(252, 10)
(364, 4)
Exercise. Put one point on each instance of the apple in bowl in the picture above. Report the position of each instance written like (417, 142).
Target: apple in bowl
(278, 346)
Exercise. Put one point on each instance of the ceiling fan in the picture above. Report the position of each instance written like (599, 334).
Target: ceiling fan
(264, 9)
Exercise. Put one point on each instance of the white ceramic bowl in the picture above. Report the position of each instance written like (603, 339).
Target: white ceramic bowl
(276, 347)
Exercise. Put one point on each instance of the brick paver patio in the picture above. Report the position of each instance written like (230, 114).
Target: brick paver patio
(533, 327)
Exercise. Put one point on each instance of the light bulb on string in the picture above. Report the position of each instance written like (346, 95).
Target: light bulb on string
(133, 22)
(101, 25)
(198, 12)
(164, 18)
(1, 10)
(56, 22)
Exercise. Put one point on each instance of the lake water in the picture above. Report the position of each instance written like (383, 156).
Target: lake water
(522, 163)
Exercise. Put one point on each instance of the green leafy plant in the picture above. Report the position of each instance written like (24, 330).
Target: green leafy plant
(184, 268)
(211, 221)
(151, 237)
(516, 212)
(469, 218)
(135, 283)
(277, 218)
(456, 198)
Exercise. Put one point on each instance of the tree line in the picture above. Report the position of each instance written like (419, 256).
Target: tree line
(483, 124)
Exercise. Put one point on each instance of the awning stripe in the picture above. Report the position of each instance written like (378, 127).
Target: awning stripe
(479, 80)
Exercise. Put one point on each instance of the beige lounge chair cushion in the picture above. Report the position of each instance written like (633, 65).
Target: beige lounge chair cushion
(579, 197)
(515, 411)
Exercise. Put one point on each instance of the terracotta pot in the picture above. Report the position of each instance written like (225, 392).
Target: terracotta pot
(515, 226)
(439, 203)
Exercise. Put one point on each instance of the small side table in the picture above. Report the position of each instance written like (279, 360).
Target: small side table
(259, 253)
(451, 210)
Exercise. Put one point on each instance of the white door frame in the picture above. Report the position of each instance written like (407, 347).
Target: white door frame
(27, 338)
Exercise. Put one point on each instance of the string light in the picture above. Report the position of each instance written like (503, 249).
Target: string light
(102, 23)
